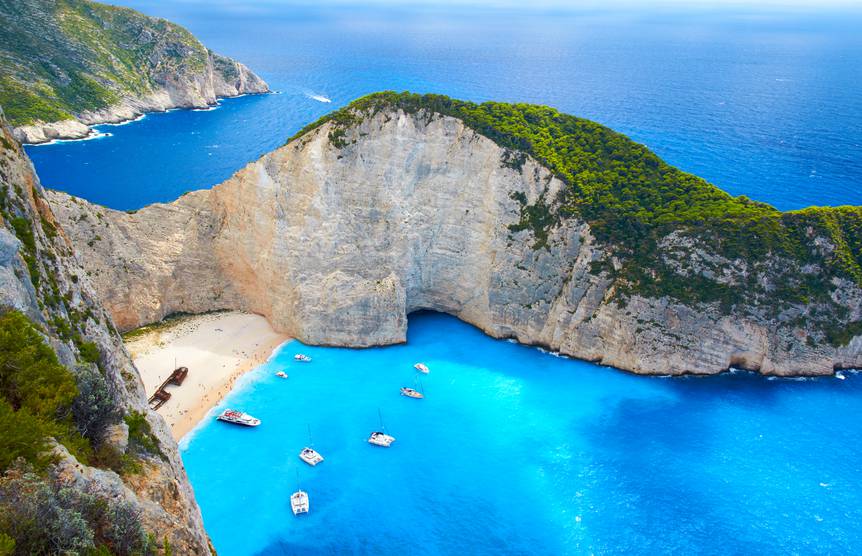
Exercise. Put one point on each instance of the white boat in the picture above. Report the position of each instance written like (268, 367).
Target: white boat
(281, 374)
(238, 418)
(302, 357)
(422, 368)
(416, 393)
(299, 502)
(411, 393)
(380, 438)
(840, 376)
(310, 456)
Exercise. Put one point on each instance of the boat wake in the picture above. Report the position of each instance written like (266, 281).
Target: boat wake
(318, 98)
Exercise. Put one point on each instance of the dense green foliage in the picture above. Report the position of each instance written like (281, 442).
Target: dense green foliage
(89, 56)
(633, 200)
(36, 394)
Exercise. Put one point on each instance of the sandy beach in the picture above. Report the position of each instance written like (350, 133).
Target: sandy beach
(217, 348)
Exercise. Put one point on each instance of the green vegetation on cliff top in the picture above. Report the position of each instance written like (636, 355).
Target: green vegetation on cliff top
(61, 57)
(633, 200)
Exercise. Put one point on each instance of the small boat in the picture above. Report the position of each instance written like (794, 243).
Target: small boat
(238, 418)
(302, 357)
(415, 393)
(411, 393)
(299, 502)
(281, 374)
(308, 454)
(840, 376)
(380, 438)
(422, 368)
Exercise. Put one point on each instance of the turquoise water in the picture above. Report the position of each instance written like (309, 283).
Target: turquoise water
(761, 101)
(516, 451)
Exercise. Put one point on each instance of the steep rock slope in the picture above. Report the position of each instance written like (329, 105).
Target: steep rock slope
(134, 462)
(68, 64)
(382, 209)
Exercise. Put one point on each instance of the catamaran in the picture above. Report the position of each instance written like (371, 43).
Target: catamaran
(299, 500)
(238, 418)
(302, 357)
(380, 438)
(422, 368)
(308, 454)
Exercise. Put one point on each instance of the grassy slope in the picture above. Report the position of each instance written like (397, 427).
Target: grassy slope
(632, 200)
(59, 58)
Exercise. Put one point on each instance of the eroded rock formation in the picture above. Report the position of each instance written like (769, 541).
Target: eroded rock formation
(337, 243)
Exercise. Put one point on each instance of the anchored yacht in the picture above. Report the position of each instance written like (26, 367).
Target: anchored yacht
(380, 438)
(299, 502)
(238, 418)
(281, 374)
(310, 456)
(422, 368)
(411, 393)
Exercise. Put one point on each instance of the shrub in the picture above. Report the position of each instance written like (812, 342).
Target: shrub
(94, 407)
(36, 393)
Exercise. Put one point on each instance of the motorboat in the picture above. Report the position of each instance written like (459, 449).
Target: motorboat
(310, 456)
(411, 393)
(299, 502)
(238, 418)
(281, 374)
(422, 368)
(302, 357)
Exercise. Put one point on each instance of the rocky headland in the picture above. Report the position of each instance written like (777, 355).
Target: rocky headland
(522, 221)
(87, 467)
(65, 66)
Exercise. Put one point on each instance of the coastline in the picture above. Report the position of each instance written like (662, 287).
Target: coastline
(83, 127)
(218, 349)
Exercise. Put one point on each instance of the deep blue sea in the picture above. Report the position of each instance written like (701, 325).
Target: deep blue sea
(516, 451)
(761, 101)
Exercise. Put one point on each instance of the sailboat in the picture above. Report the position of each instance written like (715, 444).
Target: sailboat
(380, 438)
(299, 502)
(308, 454)
(412, 392)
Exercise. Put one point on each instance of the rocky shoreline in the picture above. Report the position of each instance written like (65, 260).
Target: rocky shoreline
(191, 96)
(83, 128)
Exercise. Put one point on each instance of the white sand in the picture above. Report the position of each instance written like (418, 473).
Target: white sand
(217, 348)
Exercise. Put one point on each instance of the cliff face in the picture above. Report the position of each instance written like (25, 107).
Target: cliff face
(340, 234)
(102, 64)
(41, 278)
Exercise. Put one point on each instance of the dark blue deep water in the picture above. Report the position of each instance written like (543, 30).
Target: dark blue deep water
(760, 102)
(515, 451)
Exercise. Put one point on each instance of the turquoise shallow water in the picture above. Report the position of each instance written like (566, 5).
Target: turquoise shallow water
(516, 451)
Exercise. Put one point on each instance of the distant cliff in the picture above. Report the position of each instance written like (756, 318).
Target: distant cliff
(68, 64)
(85, 466)
(523, 221)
